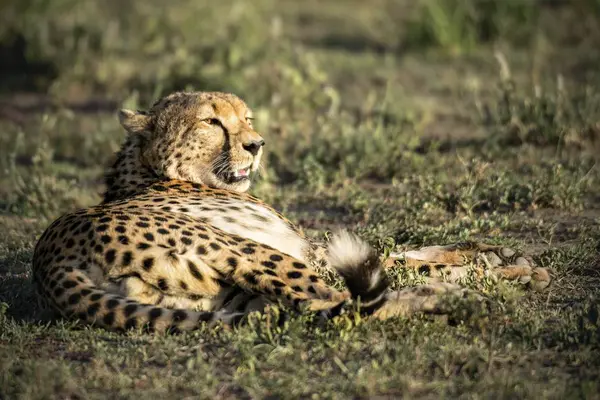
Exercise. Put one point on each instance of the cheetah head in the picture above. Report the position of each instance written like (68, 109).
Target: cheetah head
(201, 137)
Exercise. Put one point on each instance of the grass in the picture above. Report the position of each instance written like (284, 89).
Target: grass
(412, 123)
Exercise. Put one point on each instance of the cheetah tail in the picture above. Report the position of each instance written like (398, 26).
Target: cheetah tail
(75, 296)
(359, 266)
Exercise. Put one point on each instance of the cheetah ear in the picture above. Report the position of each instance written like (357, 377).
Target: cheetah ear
(135, 121)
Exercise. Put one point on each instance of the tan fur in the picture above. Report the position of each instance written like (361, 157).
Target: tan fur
(176, 241)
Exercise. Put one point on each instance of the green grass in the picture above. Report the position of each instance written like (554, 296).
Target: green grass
(410, 122)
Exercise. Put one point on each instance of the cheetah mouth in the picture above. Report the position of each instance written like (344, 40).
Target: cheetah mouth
(235, 176)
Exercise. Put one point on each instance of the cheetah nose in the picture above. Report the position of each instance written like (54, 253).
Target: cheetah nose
(254, 146)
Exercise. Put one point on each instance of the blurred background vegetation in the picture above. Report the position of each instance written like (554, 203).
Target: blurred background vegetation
(74, 48)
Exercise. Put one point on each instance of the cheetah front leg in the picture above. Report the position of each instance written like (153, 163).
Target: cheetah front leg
(454, 263)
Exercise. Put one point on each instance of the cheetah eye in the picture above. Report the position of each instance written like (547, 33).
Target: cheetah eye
(249, 120)
(212, 121)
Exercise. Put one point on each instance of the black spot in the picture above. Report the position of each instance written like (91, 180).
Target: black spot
(85, 292)
(424, 269)
(110, 256)
(130, 309)
(294, 275)
(123, 217)
(277, 283)
(297, 289)
(298, 265)
(70, 243)
(203, 236)
(251, 278)
(98, 248)
(313, 278)
(74, 298)
(186, 233)
(112, 303)
(148, 263)
(270, 272)
(215, 246)
(149, 237)
(143, 246)
(96, 296)
(179, 315)
(261, 218)
(194, 271)
(127, 257)
(120, 229)
(205, 316)
(131, 323)
(93, 309)
(232, 262)
(248, 250)
(105, 239)
(123, 239)
(162, 284)
(173, 226)
(171, 242)
(269, 264)
(109, 318)
(105, 219)
(101, 228)
(159, 188)
(201, 250)
(183, 285)
(277, 291)
(69, 284)
(186, 240)
(154, 313)
(276, 257)
(312, 289)
(163, 231)
(142, 224)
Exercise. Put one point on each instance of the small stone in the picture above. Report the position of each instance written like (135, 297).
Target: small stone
(525, 279)
(506, 252)
(493, 259)
(521, 261)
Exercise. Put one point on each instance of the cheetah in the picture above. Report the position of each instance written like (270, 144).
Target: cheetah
(177, 241)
